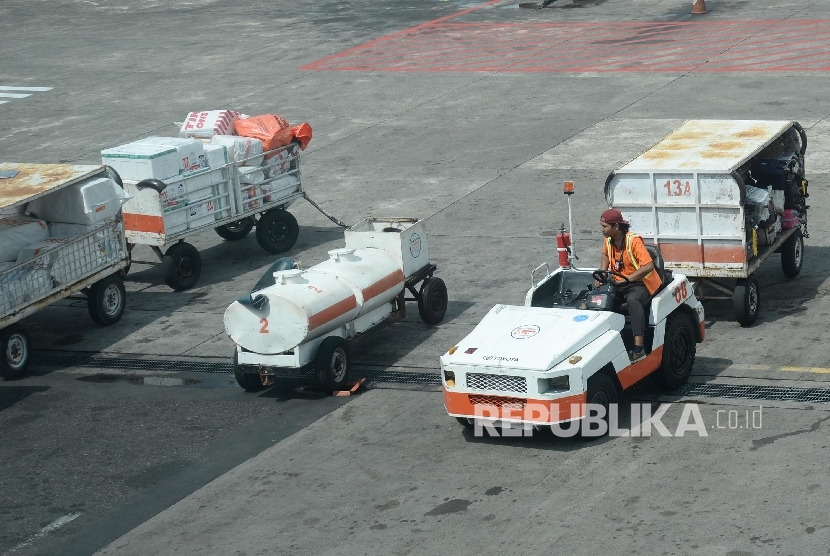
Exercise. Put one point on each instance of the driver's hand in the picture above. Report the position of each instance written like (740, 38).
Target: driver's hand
(597, 284)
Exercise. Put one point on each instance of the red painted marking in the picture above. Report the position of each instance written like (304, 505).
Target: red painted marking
(143, 223)
(330, 313)
(716, 46)
(383, 285)
(562, 409)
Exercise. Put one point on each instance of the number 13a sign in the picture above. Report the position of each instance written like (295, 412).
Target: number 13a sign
(676, 188)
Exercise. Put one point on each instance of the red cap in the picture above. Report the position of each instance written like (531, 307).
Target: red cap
(612, 216)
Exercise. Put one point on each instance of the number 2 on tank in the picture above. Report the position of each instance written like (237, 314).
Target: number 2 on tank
(676, 188)
(264, 329)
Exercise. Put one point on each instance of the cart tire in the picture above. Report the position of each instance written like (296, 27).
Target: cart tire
(249, 381)
(107, 300)
(792, 255)
(678, 352)
(332, 363)
(277, 231)
(16, 350)
(747, 301)
(466, 422)
(235, 230)
(182, 266)
(601, 391)
(432, 303)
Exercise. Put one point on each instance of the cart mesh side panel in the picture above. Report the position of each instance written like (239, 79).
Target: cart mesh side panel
(276, 178)
(480, 381)
(51, 269)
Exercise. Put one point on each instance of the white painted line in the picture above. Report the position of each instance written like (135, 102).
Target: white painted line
(51, 528)
(3, 101)
(33, 89)
(14, 95)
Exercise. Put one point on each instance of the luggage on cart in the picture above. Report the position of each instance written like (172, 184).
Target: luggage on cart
(71, 241)
(719, 197)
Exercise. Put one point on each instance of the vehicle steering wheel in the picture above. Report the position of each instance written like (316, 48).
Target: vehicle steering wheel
(604, 276)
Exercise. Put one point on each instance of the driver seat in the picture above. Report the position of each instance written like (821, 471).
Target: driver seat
(659, 268)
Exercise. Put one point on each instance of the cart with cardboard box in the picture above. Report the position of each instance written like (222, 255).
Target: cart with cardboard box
(719, 197)
(226, 186)
(60, 233)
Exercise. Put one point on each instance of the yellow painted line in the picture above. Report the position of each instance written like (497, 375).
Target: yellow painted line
(788, 369)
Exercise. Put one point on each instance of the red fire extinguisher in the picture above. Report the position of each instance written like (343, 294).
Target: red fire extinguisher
(563, 244)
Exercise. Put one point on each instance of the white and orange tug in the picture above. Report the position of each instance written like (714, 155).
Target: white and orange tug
(568, 346)
(295, 322)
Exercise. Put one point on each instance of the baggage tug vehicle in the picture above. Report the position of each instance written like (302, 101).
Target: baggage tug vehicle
(540, 364)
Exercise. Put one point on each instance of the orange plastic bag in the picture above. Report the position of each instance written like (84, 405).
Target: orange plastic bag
(301, 134)
(271, 129)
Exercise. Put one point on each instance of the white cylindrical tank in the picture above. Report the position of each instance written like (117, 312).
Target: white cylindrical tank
(303, 305)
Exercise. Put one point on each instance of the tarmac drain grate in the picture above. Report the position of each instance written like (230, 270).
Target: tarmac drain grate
(644, 388)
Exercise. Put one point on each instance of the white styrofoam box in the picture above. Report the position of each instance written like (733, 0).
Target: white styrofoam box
(251, 175)
(209, 123)
(191, 152)
(140, 162)
(216, 155)
(273, 190)
(64, 266)
(18, 231)
(196, 185)
(250, 191)
(21, 285)
(35, 249)
(245, 150)
(175, 222)
(201, 213)
(86, 202)
(59, 229)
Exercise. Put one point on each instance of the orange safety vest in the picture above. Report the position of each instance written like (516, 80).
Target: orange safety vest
(651, 280)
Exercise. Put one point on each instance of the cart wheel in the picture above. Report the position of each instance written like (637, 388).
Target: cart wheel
(235, 230)
(331, 365)
(182, 266)
(432, 303)
(277, 231)
(106, 300)
(747, 300)
(792, 254)
(247, 379)
(601, 391)
(678, 352)
(14, 343)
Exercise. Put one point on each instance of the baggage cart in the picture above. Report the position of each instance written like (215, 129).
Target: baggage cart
(719, 197)
(89, 263)
(232, 199)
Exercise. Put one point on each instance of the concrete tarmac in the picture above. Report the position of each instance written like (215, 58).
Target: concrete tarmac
(470, 115)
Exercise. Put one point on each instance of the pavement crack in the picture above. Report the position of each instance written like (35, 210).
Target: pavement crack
(761, 442)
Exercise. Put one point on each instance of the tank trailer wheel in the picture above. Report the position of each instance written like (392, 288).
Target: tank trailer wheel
(249, 381)
(432, 303)
(182, 266)
(107, 300)
(678, 353)
(746, 300)
(16, 350)
(332, 363)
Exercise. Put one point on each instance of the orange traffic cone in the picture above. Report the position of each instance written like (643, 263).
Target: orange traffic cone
(699, 7)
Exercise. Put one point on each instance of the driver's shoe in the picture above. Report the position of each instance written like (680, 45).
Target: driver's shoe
(636, 356)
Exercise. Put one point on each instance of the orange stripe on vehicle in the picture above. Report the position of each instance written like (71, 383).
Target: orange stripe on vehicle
(330, 313)
(382, 285)
(641, 369)
(702, 331)
(694, 253)
(526, 410)
(143, 223)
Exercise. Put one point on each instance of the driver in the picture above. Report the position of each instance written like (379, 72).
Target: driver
(626, 254)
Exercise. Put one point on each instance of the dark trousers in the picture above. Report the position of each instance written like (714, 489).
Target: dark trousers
(637, 296)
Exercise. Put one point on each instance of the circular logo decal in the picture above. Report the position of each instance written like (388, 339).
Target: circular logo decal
(415, 245)
(525, 331)
(580, 318)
